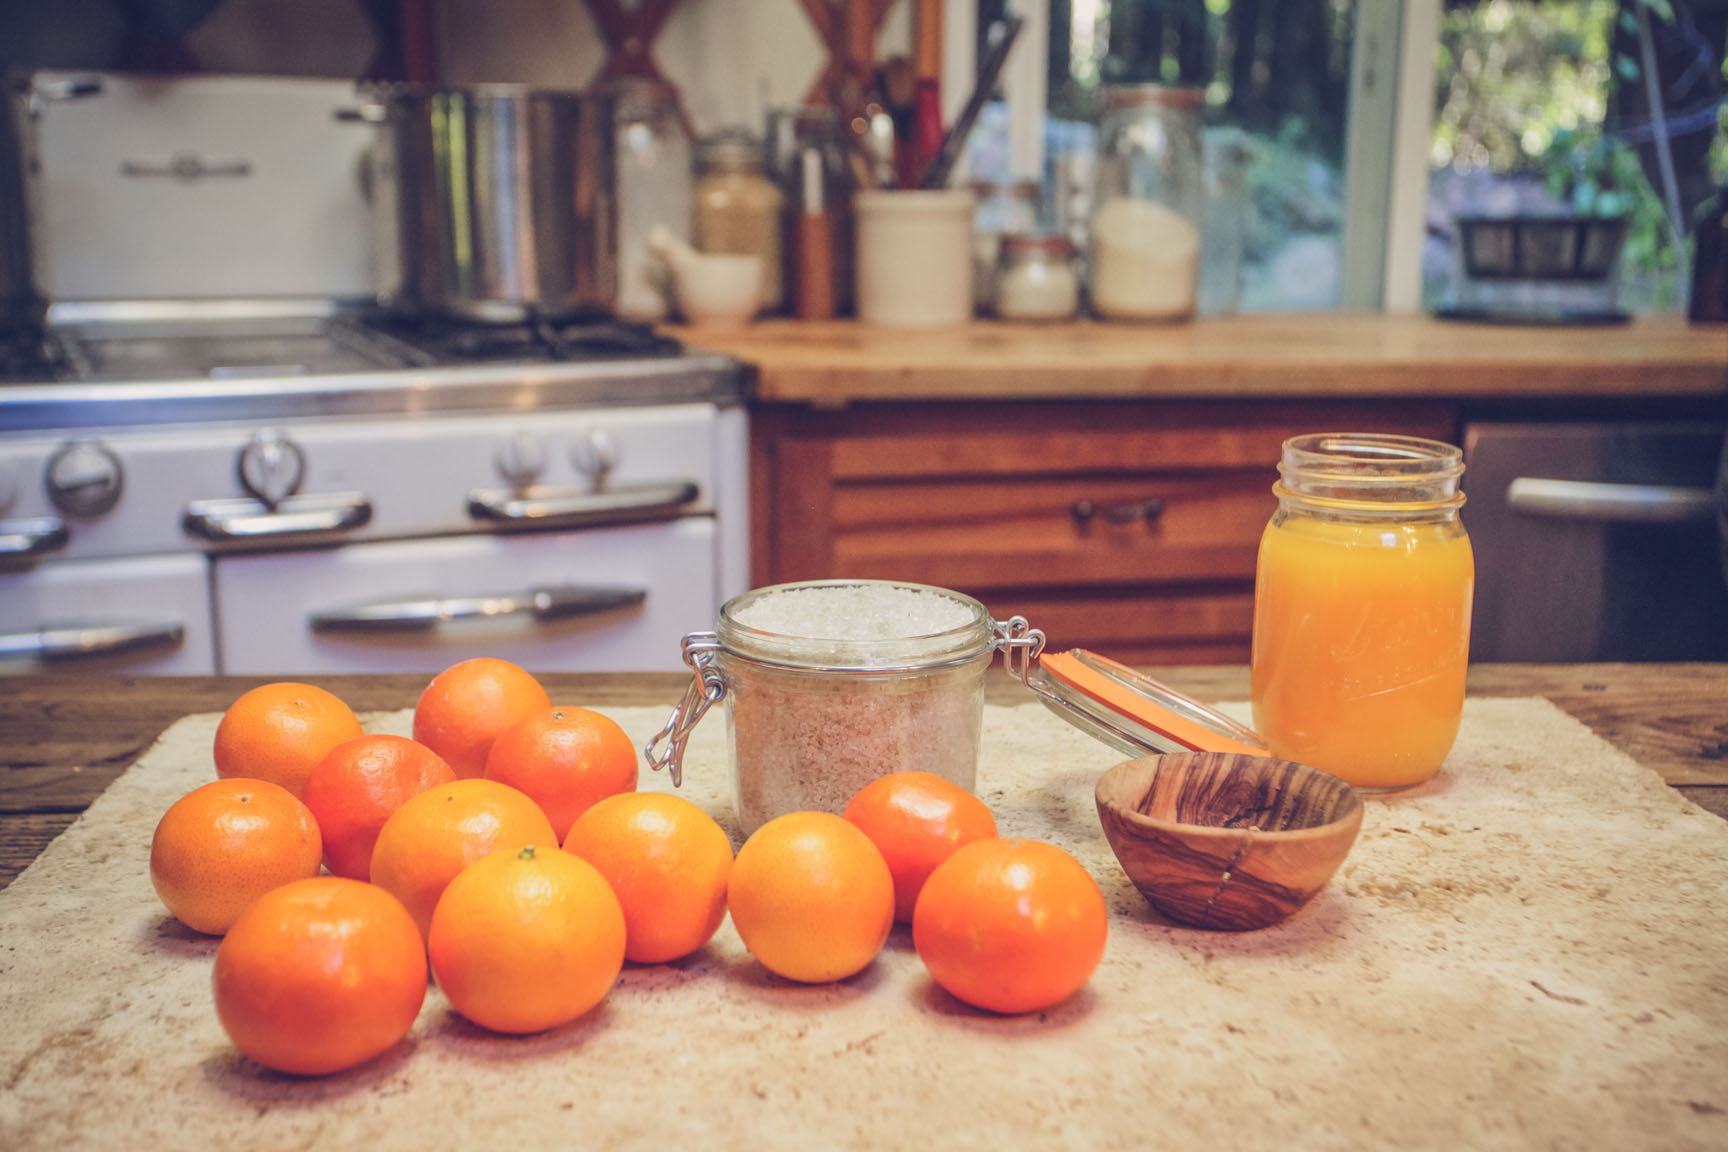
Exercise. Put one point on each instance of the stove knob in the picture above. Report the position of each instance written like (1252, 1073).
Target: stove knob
(595, 455)
(271, 467)
(84, 478)
(520, 460)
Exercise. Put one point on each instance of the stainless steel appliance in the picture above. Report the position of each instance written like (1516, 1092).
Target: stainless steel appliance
(219, 456)
(1597, 541)
(496, 201)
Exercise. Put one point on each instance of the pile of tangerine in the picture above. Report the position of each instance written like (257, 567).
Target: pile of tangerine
(505, 848)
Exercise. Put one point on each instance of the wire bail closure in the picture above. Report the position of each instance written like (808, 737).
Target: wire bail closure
(1020, 644)
(707, 688)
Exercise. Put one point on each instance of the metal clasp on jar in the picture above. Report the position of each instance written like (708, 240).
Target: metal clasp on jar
(707, 688)
(1020, 644)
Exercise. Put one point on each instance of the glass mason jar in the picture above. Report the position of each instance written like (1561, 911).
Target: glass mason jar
(1148, 212)
(1036, 279)
(830, 684)
(998, 210)
(656, 180)
(738, 208)
(1362, 608)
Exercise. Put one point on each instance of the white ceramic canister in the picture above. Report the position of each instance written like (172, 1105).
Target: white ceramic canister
(914, 257)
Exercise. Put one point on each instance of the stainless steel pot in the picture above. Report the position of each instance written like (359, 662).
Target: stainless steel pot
(494, 202)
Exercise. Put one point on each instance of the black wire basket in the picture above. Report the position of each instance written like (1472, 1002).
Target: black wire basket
(1550, 248)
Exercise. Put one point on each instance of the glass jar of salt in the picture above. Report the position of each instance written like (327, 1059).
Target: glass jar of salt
(1145, 233)
(831, 684)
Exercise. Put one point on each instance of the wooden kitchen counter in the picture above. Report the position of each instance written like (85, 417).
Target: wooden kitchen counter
(1340, 355)
(67, 738)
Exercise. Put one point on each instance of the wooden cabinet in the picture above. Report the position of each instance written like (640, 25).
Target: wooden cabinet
(1126, 527)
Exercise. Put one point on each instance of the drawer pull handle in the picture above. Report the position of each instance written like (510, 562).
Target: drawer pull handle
(420, 615)
(561, 507)
(1611, 503)
(70, 641)
(22, 541)
(304, 517)
(1085, 511)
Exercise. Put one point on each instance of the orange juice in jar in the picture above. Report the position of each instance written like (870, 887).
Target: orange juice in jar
(1362, 608)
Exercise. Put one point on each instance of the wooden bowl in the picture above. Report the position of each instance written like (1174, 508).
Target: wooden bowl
(1227, 840)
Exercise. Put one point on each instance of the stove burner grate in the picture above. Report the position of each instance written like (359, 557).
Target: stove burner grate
(536, 339)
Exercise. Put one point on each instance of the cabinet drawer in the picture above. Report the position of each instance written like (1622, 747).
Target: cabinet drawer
(1080, 530)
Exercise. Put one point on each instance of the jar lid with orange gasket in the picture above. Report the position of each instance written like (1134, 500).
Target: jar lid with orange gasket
(1130, 711)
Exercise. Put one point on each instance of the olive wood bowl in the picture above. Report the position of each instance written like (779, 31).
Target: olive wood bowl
(1227, 840)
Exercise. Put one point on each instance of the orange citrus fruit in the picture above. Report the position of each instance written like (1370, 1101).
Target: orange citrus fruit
(668, 863)
(564, 759)
(320, 975)
(357, 787)
(279, 732)
(223, 845)
(465, 707)
(1010, 925)
(917, 820)
(811, 897)
(439, 832)
(527, 940)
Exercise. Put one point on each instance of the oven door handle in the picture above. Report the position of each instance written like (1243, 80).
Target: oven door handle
(25, 540)
(71, 641)
(1611, 503)
(419, 615)
(240, 519)
(559, 507)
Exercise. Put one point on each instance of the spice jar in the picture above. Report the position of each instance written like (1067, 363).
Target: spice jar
(998, 210)
(831, 684)
(1036, 279)
(1146, 226)
(1362, 608)
(738, 208)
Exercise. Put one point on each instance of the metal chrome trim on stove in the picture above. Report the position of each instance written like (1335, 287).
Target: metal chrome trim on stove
(25, 540)
(694, 378)
(70, 641)
(420, 615)
(240, 520)
(564, 507)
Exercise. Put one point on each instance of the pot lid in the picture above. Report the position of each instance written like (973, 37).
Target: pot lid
(1131, 711)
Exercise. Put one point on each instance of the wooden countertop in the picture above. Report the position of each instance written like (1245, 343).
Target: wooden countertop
(1266, 355)
(69, 737)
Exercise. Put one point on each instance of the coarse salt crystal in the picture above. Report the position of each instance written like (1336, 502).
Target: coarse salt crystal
(855, 612)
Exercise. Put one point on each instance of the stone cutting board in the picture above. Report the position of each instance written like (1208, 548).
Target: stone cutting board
(1529, 952)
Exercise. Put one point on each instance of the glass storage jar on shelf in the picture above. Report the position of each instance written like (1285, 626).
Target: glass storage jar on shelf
(1148, 215)
(738, 209)
(1036, 279)
(656, 179)
(1362, 604)
(998, 210)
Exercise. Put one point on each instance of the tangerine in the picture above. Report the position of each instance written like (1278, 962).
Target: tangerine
(917, 820)
(564, 759)
(320, 975)
(1010, 925)
(811, 897)
(226, 843)
(467, 705)
(357, 787)
(527, 940)
(668, 863)
(437, 833)
(278, 732)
